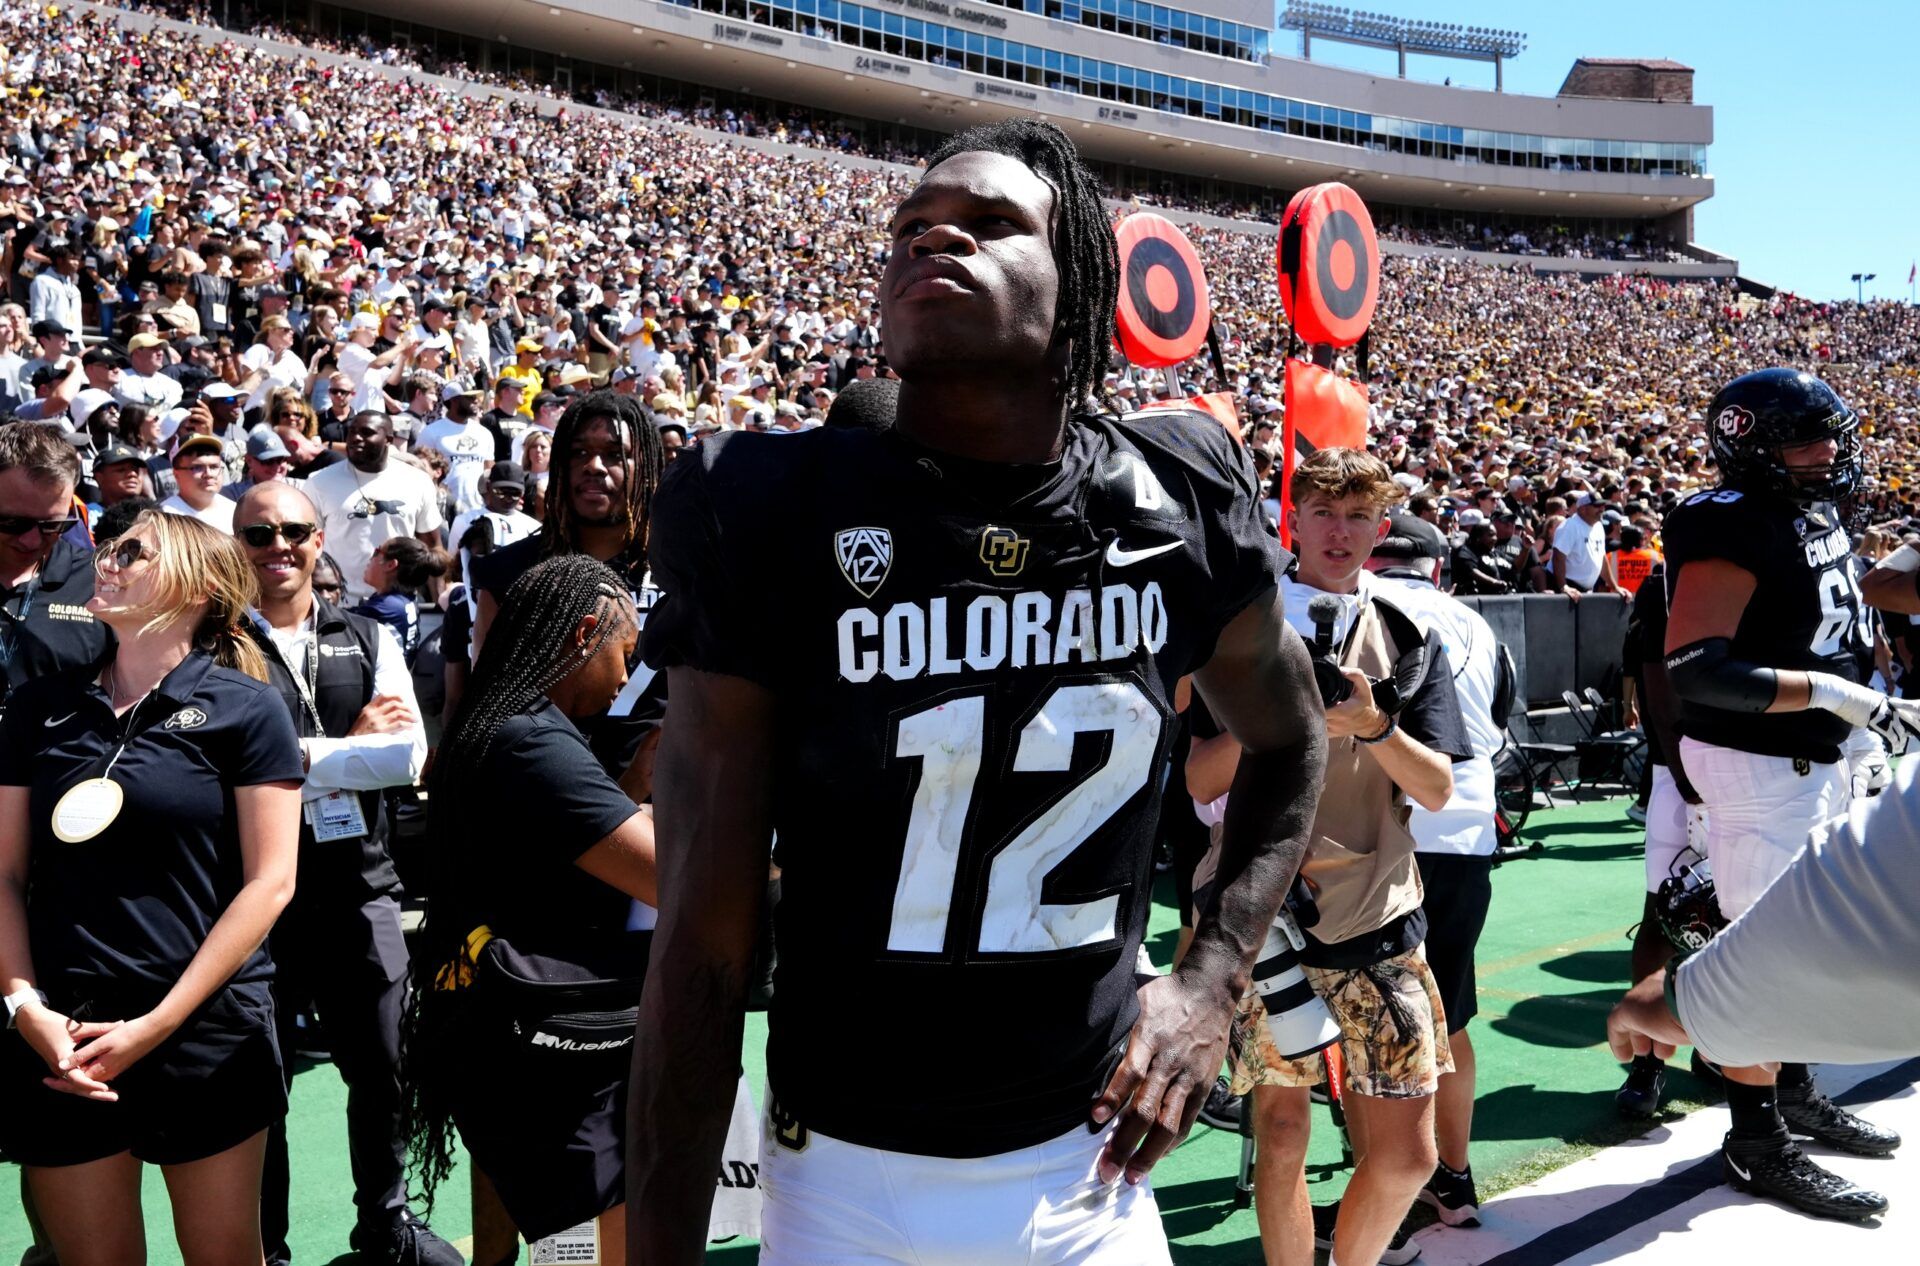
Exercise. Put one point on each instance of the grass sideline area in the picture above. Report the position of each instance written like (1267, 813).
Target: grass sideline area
(1552, 960)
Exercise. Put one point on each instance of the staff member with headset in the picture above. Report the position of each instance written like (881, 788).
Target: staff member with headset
(45, 581)
(339, 945)
(1453, 845)
(538, 856)
(149, 810)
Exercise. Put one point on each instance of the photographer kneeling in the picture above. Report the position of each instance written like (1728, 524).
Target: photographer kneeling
(1393, 728)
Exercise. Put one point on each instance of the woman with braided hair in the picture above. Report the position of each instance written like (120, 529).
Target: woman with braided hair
(149, 825)
(606, 465)
(538, 858)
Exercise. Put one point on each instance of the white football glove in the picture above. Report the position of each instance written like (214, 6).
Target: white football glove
(1896, 721)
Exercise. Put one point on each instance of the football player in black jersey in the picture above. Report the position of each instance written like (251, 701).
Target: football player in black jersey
(1765, 647)
(938, 662)
(607, 463)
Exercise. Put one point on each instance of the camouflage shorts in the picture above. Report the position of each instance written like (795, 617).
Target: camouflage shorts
(1393, 1032)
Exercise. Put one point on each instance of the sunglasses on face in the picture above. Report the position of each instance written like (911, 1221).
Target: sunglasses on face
(21, 524)
(261, 535)
(333, 590)
(126, 552)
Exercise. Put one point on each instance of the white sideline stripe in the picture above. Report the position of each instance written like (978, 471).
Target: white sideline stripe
(1519, 1216)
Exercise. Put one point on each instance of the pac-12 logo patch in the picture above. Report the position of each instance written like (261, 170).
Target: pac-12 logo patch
(866, 555)
(1734, 421)
(186, 719)
(1003, 550)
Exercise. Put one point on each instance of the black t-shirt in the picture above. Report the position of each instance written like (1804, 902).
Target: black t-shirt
(125, 912)
(1466, 563)
(971, 761)
(616, 734)
(609, 322)
(45, 625)
(539, 803)
(1805, 613)
(495, 421)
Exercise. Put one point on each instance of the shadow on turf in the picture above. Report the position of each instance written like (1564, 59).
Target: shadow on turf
(1599, 967)
(1568, 1021)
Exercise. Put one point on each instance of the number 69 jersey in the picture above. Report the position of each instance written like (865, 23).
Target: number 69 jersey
(973, 665)
(1805, 613)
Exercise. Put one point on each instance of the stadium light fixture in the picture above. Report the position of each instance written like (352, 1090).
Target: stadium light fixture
(1860, 281)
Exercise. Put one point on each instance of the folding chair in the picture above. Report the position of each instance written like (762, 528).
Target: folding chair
(1605, 751)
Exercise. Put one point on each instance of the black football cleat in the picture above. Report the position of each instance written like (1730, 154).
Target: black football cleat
(1810, 1114)
(1452, 1195)
(1777, 1169)
(1223, 1109)
(1639, 1096)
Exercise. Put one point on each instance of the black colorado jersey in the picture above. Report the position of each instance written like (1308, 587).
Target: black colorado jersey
(1805, 612)
(973, 665)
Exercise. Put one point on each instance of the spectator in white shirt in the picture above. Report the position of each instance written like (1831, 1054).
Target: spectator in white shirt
(54, 294)
(1580, 549)
(369, 499)
(367, 372)
(271, 363)
(199, 472)
(142, 383)
(467, 446)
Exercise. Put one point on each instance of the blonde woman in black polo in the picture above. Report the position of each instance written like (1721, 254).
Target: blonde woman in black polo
(149, 816)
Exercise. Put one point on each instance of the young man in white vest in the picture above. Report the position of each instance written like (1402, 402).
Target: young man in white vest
(1364, 955)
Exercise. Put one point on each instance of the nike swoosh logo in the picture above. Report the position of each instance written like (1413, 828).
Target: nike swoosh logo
(50, 722)
(1117, 557)
(1744, 1175)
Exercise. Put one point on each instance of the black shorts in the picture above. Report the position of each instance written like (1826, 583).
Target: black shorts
(215, 1083)
(1458, 891)
(548, 1129)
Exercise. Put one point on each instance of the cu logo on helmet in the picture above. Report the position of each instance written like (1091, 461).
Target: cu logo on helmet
(1734, 422)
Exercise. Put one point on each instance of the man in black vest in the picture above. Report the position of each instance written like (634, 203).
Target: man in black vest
(339, 943)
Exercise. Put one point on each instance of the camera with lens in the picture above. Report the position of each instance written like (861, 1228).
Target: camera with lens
(1296, 1017)
(1390, 694)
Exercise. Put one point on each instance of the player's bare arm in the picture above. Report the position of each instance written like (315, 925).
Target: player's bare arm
(1894, 582)
(712, 833)
(1259, 685)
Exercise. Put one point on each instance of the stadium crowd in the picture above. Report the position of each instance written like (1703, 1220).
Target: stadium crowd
(670, 250)
(461, 323)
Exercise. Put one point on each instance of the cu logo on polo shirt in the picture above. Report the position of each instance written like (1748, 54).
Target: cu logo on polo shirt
(186, 719)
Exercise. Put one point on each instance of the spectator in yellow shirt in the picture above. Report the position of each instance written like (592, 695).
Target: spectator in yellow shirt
(522, 371)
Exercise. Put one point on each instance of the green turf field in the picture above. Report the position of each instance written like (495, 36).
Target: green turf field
(1552, 959)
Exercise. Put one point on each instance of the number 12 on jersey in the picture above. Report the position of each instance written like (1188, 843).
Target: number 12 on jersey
(949, 741)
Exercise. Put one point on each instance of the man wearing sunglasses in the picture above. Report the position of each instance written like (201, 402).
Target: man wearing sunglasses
(338, 945)
(44, 581)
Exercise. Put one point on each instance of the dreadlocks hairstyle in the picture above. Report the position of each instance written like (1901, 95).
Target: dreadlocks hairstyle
(646, 462)
(1083, 245)
(527, 652)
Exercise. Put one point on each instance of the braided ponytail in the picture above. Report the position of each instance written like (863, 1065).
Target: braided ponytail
(527, 652)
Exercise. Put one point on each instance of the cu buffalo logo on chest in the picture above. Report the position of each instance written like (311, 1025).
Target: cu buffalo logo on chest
(866, 555)
(186, 719)
(1733, 421)
(1003, 550)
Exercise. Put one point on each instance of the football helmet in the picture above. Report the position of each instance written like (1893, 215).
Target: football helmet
(1686, 907)
(1756, 415)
